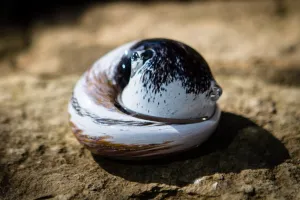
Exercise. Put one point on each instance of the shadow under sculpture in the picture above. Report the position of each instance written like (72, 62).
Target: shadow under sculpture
(237, 144)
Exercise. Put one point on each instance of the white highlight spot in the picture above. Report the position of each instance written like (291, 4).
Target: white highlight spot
(199, 180)
(214, 186)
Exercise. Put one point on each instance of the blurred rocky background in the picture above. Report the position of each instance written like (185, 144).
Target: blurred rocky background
(253, 48)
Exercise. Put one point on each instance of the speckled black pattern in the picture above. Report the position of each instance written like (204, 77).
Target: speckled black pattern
(171, 61)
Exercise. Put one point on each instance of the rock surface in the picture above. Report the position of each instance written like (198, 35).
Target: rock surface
(254, 52)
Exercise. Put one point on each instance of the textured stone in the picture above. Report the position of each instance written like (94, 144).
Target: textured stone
(254, 54)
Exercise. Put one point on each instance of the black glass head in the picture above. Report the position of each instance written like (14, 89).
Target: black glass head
(162, 61)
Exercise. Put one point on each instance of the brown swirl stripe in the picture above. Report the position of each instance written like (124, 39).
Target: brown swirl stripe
(101, 145)
(99, 87)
